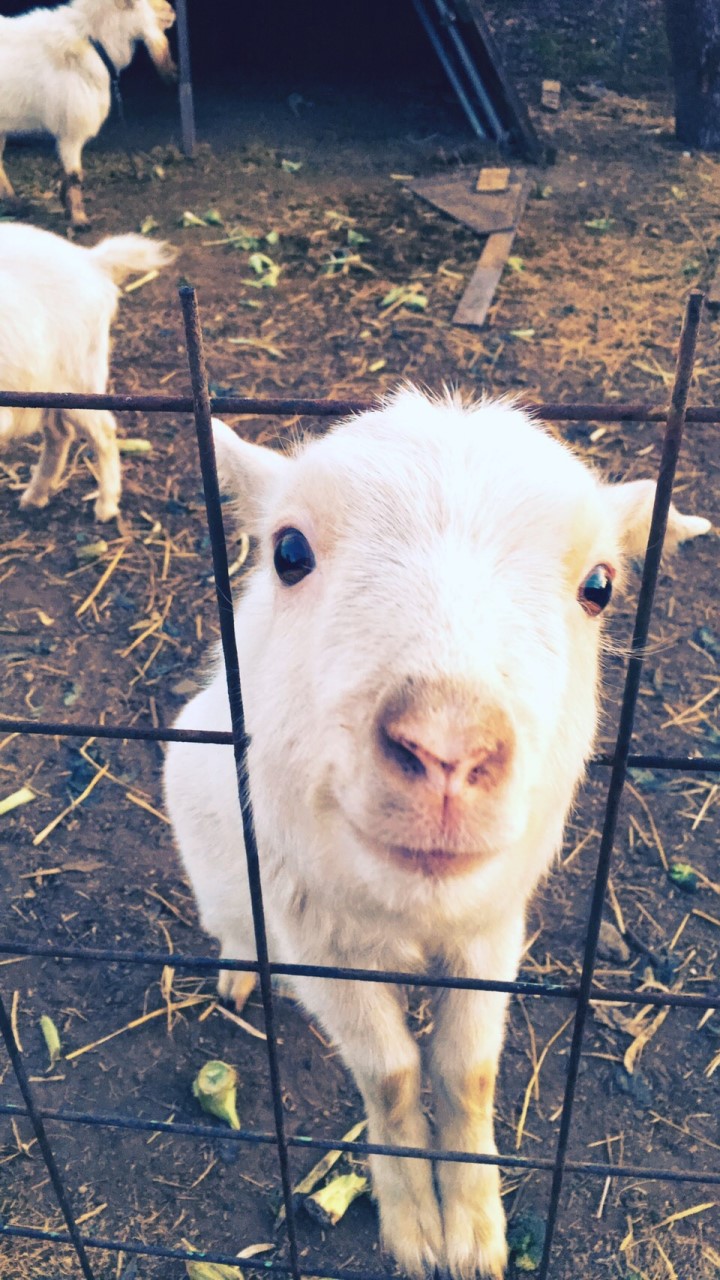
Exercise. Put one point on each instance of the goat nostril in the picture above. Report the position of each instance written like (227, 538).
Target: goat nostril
(402, 755)
(490, 767)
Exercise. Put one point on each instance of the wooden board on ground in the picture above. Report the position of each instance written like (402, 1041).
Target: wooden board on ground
(712, 299)
(477, 298)
(484, 212)
(493, 180)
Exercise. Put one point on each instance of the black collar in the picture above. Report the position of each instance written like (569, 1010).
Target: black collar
(106, 60)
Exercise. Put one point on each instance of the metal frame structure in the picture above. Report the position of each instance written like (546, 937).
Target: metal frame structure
(448, 27)
(582, 993)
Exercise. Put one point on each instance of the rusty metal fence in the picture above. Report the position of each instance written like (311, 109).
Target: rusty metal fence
(619, 761)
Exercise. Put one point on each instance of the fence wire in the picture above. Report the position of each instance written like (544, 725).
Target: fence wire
(202, 405)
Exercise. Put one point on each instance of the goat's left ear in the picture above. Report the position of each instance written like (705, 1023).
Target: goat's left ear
(633, 503)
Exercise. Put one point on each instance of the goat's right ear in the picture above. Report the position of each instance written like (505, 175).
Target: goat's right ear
(247, 472)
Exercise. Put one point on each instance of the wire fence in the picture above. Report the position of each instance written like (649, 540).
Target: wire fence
(582, 994)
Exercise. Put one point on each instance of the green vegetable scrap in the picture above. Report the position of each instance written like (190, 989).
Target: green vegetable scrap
(133, 444)
(15, 799)
(209, 1270)
(683, 876)
(526, 1238)
(52, 1039)
(267, 271)
(323, 1166)
(148, 224)
(215, 1087)
(290, 166)
(331, 1202)
(89, 551)
(404, 295)
(212, 218)
(190, 219)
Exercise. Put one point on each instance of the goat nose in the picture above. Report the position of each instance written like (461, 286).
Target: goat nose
(446, 754)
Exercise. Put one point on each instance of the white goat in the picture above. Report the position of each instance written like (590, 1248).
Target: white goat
(53, 79)
(58, 302)
(419, 653)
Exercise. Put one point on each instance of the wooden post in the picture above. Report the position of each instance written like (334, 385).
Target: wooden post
(185, 93)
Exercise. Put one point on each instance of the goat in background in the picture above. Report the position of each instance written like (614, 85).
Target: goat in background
(54, 80)
(59, 300)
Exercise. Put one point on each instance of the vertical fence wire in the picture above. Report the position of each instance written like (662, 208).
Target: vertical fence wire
(651, 567)
(203, 426)
(42, 1140)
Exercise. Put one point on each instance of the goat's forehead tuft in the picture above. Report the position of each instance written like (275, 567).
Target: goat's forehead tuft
(415, 448)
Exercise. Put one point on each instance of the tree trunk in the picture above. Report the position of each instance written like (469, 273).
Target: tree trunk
(693, 28)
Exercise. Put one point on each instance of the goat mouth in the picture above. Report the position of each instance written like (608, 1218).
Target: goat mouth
(436, 862)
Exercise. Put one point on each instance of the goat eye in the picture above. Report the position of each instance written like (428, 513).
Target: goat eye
(294, 558)
(596, 591)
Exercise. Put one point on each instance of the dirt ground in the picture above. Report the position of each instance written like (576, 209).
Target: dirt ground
(617, 231)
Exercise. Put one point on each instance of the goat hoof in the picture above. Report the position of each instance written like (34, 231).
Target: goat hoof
(106, 510)
(29, 499)
(10, 203)
(236, 988)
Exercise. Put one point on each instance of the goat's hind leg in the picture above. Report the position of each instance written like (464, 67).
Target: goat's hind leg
(98, 426)
(57, 438)
(70, 154)
(6, 187)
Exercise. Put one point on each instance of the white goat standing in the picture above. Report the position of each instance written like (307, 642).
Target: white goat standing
(58, 302)
(52, 79)
(419, 654)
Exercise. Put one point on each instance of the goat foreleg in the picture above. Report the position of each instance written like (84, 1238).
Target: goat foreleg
(466, 1046)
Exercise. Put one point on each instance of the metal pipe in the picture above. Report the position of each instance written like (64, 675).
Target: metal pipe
(449, 69)
(449, 21)
(651, 569)
(223, 591)
(33, 1114)
(185, 92)
(505, 1160)
(300, 406)
(205, 964)
(136, 733)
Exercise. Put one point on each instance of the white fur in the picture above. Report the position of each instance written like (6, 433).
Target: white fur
(52, 79)
(58, 303)
(443, 611)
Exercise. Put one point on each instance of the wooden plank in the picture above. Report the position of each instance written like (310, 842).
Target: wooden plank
(477, 298)
(455, 194)
(493, 180)
(550, 95)
(712, 299)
